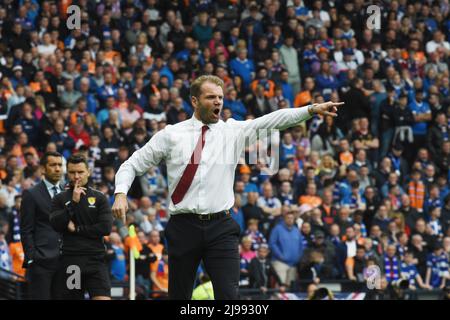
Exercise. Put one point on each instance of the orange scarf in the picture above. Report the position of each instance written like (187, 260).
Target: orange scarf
(416, 191)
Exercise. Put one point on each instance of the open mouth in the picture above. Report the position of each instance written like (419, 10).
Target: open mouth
(216, 111)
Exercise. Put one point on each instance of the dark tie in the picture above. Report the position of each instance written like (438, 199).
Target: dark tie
(54, 191)
(189, 173)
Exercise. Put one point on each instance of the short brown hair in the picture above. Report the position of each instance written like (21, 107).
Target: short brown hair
(197, 84)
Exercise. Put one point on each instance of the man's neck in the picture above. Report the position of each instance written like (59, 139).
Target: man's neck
(50, 182)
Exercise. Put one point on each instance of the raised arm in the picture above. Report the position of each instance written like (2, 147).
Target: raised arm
(285, 118)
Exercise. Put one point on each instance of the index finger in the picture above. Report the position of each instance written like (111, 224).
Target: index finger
(337, 103)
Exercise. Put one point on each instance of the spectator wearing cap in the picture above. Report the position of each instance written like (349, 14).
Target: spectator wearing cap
(399, 163)
(348, 62)
(286, 243)
(17, 77)
(327, 249)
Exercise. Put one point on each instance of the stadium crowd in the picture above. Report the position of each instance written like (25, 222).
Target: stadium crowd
(368, 188)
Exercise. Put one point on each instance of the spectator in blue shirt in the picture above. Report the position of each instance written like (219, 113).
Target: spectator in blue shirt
(422, 114)
(236, 106)
(437, 267)
(243, 67)
(408, 270)
(326, 81)
(118, 263)
(286, 244)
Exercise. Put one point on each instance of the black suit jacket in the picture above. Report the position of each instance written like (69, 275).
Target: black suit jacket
(256, 274)
(40, 241)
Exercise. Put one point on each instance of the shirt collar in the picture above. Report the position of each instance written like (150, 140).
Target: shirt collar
(50, 186)
(197, 124)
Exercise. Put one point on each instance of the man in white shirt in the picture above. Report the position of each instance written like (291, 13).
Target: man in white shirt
(201, 155)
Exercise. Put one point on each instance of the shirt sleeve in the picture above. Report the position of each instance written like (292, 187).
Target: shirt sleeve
(280, 119)
(143, 159)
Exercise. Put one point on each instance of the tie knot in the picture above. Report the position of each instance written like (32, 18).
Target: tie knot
(204, 129)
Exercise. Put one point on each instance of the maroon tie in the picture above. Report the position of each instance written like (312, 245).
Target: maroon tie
(189, 173)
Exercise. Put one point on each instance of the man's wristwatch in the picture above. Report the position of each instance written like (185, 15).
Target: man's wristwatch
(310, 110)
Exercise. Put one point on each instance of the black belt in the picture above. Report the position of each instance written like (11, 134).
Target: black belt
(208, 216)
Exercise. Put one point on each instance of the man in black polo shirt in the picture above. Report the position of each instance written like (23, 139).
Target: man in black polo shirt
(83, 216)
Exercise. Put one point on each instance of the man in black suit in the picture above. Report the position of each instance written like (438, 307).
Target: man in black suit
(40, 241)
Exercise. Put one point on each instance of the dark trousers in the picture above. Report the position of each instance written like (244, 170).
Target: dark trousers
(42, 280)
(91, 276)
(216, 242)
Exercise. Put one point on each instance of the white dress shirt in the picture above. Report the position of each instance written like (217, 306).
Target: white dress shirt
(212, 187)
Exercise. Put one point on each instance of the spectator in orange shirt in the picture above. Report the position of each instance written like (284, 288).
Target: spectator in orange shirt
(160, 274)
(80, 114)
(305, 97)
(268, 85)
(311, 197)
(155, 245)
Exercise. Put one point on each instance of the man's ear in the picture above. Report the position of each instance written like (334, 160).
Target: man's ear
(194, 101)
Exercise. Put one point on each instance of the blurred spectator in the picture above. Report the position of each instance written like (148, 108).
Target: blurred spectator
(286, 244)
